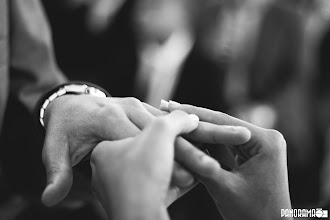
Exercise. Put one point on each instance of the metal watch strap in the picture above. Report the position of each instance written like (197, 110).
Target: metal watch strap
(69, 89)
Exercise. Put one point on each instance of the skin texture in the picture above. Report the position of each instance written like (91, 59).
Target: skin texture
(75, 124)
(139, 185)
(258, 187)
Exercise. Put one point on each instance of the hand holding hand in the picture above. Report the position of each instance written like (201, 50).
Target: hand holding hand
(135, 178)
(132, 177)
(258, 187)
(75, 124)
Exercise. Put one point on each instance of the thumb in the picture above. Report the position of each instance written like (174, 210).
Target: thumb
(57, 162)
(167, 128)
(160, 136)
(180, 122)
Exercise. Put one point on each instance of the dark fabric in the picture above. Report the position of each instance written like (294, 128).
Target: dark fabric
(27, 71)
(29, 55)
(3, 57)
(33, 70)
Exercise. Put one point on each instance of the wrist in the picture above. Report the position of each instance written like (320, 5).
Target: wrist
(58, 105)
(76, 88)
(147, 214)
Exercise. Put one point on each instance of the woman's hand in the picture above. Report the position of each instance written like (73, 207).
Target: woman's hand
(132, 177)
(258, 187)
(138, 177)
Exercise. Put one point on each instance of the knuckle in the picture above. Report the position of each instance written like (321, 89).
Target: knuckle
(161, 124)
(109, 111)
(277, 140)
(179, 113)
(133, 101)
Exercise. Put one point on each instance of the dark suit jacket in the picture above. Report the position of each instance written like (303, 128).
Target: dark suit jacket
(27, 65)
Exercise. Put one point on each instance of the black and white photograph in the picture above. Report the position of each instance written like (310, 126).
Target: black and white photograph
(164, 109)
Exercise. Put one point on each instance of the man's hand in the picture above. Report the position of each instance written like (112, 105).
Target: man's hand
(258, 187)
(75, 124)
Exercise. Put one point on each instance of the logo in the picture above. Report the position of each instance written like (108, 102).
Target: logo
(301, 213)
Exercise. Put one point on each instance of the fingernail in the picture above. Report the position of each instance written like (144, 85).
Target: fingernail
(163, 105)
(174, 104)
(194, 117)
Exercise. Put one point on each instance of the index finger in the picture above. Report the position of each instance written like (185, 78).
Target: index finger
(210, 116)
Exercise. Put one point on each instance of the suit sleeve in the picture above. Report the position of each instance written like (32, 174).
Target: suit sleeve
(33, 69)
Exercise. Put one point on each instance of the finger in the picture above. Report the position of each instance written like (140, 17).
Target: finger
(154, 111)
(210, 116)
(219, 134)
(160, 135)
(58, 169)
(182, 182)
(117, 127)
(137, 113)
(140, 118)
(181, 177)
(196, 161)
(205, 168)
(176, 123)
(164, 105)
(175, 192)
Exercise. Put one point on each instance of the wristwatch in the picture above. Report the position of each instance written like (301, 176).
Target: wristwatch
(77, 89)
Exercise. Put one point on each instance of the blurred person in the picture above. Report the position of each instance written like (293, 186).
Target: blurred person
(164, 39)
(321, 88)
(141, 192)
(269, 80)
(100, 13)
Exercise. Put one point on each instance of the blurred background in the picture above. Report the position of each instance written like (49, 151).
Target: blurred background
(265, 61)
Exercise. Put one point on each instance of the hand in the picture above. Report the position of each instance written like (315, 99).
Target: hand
(258, 187)
(134, 177)
(75, 124)
(131, 177)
